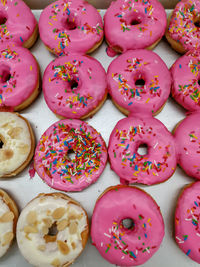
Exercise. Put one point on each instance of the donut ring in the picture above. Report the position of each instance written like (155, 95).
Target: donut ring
(17, 144)
(71, 26)
(8, 221)
(57, 168)
(126, 246)
(134, 24)
(156, 165)
(52, 230)
(74, 86)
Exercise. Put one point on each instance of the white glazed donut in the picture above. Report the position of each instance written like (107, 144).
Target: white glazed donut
(52, 230)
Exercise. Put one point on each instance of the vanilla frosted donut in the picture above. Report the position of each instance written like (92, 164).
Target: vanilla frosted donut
(131, 24)
(187, 231)
(52, 230)
(126, 246)
(71, 26)
(70, 155)
(74, 86)
(187, 139)
(17, 23)
(8, 221)
(19, 77)
(139, 82)
(16, 144)
(185, 88)
(156, 165)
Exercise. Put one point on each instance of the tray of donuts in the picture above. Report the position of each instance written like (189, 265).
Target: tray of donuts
(96, 161)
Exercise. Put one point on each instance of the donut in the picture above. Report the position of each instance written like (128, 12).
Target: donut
(8, 221)
(139, 82)
(187, 220)
(74, 86)
(185, 88)
(17, 144)
(122, 242)
(19, 77)
(134, 24)
(156, 165)
(17, 23)
(183, 26)
(71, 26)
(52, 230)
(70, 155)
(187, 139)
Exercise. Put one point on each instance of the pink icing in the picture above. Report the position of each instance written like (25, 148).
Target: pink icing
(132, 66)
(70, 26)
(186, 88)
(182, 26)
(19, 75)
(52, 160)
(187, 221)
(17, 22)
(117, 244)
(86, 74)
(134, 24)
(187, 138)
(155, 166)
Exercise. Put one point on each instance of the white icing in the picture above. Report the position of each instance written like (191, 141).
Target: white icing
(29, 248)
(20, 145)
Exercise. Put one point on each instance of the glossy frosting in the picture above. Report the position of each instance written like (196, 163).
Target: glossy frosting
(57, 169)
(19, 75)
(70, 26)
(33, 226)
(187, 139)
(18, 22)
(135, 65)
(122, 35)
(182, 26)
(156, 166)
(86, 74)
(186, 89)
(187, 221)
(117, 244)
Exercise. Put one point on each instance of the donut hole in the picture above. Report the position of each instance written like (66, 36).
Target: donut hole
(52, 233)
(1, 142)
(71, 155)
(4, 73)
(70, 23)
(73, 84)
(199, 82)
(3, 18)
(197, 21)
(128, 224)
(135, 22)
(140, 82)
(142, 149)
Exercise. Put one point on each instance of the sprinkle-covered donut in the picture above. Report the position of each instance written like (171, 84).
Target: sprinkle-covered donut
(74, 86)
(183, 29)
(8, 221)
(19, 77)
(185, 88)
(139, 81)
(156, 165)
(17, 23)
(187, 221)
(16, 144)
(70, 155)
(134, 24)
(52, 230)
(71, 26)
(187, 139)
(117, 243)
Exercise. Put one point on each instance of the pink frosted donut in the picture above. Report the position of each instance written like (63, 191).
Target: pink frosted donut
(185, 89)
(156, 165)
(131, 24)
(70, 155)
(19, 77)
(126, 246)
(187, 139)
(17, 23)
(71, 26)
(74, 86)
(139, 81)
(187, 221)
